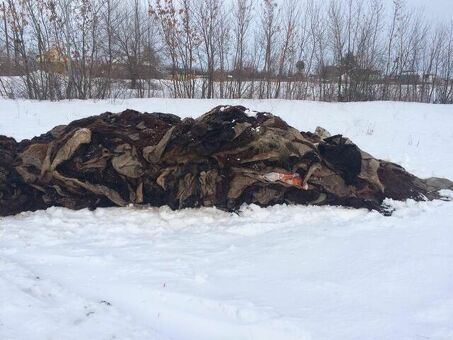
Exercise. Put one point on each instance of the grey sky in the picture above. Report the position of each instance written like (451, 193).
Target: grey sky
(435, 9)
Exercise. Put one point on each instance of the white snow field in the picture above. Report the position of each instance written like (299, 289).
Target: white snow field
(285, 272)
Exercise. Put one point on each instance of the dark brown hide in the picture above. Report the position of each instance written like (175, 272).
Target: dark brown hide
(224, 158)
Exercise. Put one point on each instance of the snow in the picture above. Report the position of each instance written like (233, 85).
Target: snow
(284, 272)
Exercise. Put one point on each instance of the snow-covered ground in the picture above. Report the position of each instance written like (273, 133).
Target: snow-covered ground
(275, 273)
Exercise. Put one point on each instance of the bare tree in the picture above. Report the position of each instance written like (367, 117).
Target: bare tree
(223, 48)
(208, 20)
(321, 50)
(446, 69)
(242, 18)
(269, 28)
(5, 31)
(286, 58)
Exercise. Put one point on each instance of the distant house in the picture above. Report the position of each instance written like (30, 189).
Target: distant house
(408, 78)
(220, 75)
(429, 78)
(52, 60)
(329, 73)
(334, 73)
(6, 66)
(367, 75)
(52, 56)
(246, 73)
(182, 74)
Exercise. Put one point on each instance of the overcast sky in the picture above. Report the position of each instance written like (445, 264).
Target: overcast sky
(436, 9)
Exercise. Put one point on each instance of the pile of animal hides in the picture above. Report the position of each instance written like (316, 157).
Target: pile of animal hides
(223, 159)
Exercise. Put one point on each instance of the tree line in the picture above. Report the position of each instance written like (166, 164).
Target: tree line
(337, 50)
